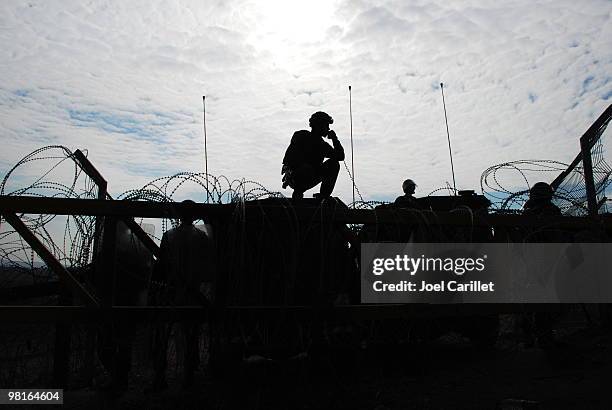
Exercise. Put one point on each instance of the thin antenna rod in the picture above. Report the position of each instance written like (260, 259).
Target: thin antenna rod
(352, 151)
(450, 151)
(205, 148)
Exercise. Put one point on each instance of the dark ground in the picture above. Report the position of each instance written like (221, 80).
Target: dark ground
(447, 373)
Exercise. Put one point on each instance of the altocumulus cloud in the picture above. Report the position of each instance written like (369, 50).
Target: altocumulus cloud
(524, 79)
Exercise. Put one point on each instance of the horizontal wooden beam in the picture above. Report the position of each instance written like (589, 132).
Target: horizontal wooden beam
(35, 290)
(136, 314)
(97, 207)
(340, 214)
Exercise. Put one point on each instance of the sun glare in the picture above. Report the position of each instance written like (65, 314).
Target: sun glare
(284, 24)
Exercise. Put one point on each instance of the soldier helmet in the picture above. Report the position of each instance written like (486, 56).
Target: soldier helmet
(320, 117)
(541, 191)
(408, 183)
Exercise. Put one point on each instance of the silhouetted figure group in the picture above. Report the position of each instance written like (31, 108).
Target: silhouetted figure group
(184, 273)
(186, 261)
(304, 166)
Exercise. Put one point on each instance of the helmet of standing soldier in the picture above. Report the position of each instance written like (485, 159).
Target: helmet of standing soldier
(408, 186)
(541, 191)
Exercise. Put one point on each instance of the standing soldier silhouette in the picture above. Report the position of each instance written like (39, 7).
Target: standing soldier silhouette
(540, 201)
(407, 200)
(303, 165)
(186, 264)
(540, 324)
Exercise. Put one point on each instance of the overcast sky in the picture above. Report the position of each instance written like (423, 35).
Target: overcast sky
(124, 80)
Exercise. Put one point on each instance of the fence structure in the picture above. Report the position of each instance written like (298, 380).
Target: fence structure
(80, 303)
(98, 306)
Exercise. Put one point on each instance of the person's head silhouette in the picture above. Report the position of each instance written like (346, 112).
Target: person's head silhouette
(185, 216)
(319, 123)
(408, 187)
(541, 191)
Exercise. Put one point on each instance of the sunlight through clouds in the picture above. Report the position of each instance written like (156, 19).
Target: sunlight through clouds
(291, 23)
(283, 29)
(125, 81)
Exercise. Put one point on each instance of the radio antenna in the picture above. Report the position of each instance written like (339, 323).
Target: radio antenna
(205, 148)
(352, 151)
(450, 151)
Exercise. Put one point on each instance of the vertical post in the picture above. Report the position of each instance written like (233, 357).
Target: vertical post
(589, 182)
(90, 331)
(61, 353)
(205, 148)
(102, 192)
(105, 286)
(352, 150)
(106, 271)
(450, 151)
(217, 316)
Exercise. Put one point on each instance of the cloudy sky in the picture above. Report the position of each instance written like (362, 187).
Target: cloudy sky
(124, 80)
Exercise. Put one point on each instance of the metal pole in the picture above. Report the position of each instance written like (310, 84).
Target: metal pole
(205, 148)
(352, 151)
(448, 137)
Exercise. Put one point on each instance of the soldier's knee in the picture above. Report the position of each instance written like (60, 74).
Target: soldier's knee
(332, 165)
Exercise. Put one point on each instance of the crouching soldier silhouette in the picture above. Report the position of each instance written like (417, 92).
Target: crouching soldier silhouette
(186, 265)
(303, 165)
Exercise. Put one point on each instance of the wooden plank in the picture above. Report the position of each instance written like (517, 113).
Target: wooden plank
(146, 240)
(94, 174)
(29, 291)
(589, 182)
(106, 265)
(61, 350)
(91, 171)
(72, 206)
(53, 264)
(136, 314)
(69, 206)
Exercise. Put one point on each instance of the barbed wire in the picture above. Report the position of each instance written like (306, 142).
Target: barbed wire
(53, 172)
(570, 196)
